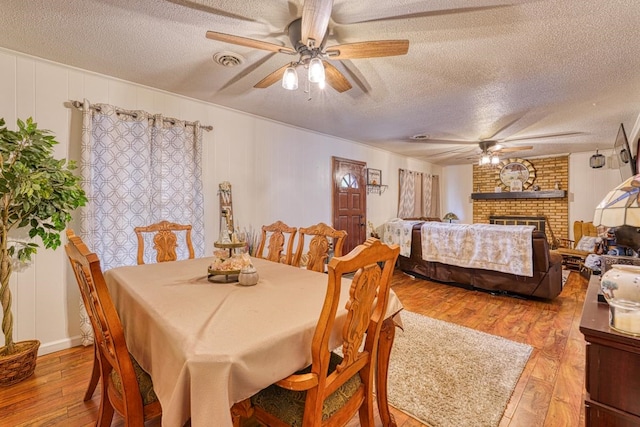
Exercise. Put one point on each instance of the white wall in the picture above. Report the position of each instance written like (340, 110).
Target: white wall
(456, 187)
(587, 186)
(276, 171)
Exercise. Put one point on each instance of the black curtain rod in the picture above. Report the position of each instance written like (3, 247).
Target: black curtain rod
(79, 104)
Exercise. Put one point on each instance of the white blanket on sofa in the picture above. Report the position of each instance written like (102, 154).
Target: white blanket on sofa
(505, 248)
(398, 232)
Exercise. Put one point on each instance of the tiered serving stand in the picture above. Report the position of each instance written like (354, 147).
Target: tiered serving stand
(229, 275)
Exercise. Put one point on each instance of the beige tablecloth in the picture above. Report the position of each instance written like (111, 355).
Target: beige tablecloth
(209, 345)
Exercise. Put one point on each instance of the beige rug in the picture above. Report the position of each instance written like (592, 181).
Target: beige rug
(450, 376)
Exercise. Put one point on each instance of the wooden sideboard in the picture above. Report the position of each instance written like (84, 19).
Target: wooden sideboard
(612, 370)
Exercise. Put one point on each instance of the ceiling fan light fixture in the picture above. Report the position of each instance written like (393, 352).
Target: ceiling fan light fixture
(495, 160)
(485, 159)
(316, 71)
(290, 78)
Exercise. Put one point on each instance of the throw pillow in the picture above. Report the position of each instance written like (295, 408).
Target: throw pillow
(586, 243)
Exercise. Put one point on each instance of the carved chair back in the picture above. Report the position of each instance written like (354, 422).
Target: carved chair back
(165, 240)
(274, 237)
(322, 238)
(352, 375)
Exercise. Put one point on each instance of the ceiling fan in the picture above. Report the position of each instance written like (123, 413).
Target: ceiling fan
(308, 36)
(489, 149)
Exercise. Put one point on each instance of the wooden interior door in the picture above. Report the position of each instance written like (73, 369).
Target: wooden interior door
(350, 201)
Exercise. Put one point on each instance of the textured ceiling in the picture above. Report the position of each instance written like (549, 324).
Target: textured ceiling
(475, 69)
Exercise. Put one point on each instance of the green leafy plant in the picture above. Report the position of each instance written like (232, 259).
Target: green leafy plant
(37, 192)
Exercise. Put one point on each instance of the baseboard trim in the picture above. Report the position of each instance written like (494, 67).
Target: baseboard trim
(52, 347)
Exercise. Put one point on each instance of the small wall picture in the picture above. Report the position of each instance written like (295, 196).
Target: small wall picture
(374, 177)
(516, 185)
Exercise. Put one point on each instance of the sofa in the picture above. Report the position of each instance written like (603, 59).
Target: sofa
(546, 282)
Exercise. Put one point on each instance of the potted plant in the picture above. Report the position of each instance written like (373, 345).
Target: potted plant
(38, 193)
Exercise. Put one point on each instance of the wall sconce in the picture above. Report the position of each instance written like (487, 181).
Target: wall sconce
(597, 160)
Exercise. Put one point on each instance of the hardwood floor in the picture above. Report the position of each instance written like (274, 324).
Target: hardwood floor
(549, 392)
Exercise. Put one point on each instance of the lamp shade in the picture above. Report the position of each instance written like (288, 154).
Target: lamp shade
(316, 71)
(450, 216)
(290, 79)
(621, 206)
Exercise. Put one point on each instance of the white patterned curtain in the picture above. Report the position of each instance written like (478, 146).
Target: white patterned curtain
(406, 204)
(419, 195)
(434, 208)
(138, 169)
(426, 188)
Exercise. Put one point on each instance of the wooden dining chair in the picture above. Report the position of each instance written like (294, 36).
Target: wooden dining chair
(323, 237)
(165, 240)
(125, 386)
(276, 235)
(335, 387)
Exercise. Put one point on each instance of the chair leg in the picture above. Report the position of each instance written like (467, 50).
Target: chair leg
(385, 342)
(95, 376)
(105, 413)
(241, 410)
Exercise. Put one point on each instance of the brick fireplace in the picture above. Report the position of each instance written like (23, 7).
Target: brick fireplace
(549, 171)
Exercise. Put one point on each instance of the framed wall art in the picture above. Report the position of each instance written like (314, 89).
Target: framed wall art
(374, 177)
(516, 170)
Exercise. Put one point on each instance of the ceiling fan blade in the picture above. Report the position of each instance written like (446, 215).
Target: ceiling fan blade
(243, 41)
(271, 78)
(452, 152)
(388, 15)
(315, 20)
(335, 78)
(512, 149)
(444, 141)
(368, 49)
(548, 135)
(206, 6)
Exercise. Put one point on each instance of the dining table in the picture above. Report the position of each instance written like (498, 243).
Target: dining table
(208, 345)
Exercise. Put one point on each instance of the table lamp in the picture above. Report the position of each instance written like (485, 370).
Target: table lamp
(450, 216)
(621, 208)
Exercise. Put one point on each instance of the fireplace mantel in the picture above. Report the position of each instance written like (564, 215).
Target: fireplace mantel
(549, 194)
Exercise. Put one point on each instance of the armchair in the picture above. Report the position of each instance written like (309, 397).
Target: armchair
(586, 242)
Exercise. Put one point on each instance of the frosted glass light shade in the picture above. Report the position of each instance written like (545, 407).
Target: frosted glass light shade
(316, 71)
(290, 79)
(621, 206)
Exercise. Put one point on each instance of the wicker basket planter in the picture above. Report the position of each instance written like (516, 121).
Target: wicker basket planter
(20, 365)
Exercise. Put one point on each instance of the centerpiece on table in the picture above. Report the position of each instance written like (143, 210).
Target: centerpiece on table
(228, 264)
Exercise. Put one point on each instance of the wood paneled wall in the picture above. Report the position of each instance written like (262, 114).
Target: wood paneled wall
(277, 171)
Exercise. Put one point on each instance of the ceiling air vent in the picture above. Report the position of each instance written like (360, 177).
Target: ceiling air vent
(420, 137)
(228, 59)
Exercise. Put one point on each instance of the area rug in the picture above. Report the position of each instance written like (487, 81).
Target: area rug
(450, 376)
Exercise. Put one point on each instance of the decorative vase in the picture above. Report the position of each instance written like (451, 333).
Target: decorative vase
(621, 288)
(248, 276)
(19, 365)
